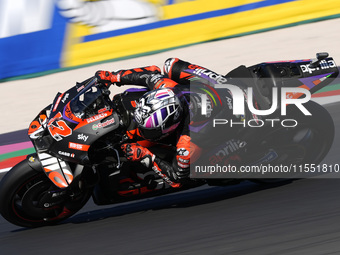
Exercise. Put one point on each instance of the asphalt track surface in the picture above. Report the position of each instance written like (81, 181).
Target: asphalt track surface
(299, 217)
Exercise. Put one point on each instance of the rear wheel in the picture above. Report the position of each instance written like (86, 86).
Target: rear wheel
(307, 143)
(29, 199)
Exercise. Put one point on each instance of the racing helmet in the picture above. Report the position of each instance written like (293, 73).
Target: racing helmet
(158, 114)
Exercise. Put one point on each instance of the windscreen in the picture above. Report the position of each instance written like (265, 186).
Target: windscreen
(90, 101)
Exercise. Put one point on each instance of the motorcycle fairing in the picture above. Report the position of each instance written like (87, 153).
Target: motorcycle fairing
(73, 122)
(37, 126)
(56, 169)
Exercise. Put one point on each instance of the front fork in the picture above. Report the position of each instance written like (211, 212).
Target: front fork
(82, 177)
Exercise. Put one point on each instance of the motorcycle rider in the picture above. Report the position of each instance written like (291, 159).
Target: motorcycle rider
(165, 113)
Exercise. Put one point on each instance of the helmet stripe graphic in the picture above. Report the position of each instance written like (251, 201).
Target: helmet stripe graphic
(162, 96)
(155, 119)
(149, 123)
(164, 113)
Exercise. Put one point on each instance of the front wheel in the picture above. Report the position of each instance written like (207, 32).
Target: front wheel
(29, 199)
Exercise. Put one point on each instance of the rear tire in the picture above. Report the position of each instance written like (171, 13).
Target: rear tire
(307, 143)
(23, 198)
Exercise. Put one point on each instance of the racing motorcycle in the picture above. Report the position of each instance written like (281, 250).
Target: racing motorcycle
(78, 137)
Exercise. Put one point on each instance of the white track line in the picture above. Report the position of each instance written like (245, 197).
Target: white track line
(326, 100)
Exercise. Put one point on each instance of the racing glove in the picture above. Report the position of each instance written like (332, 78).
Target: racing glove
(106, 77)
(135, 152)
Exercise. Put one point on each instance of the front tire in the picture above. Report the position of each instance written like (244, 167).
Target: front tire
(24, 199)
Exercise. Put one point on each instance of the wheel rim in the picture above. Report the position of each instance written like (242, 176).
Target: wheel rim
(298, 145)
(26, 202)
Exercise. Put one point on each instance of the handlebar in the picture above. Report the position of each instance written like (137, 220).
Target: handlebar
(123, 159)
